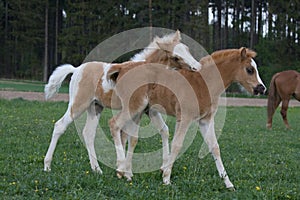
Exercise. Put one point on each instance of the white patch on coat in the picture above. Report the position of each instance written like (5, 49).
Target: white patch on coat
(107, 85)
(74, 83)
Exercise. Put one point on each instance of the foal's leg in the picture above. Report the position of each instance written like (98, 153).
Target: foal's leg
(59, 128)
(163, 129)
(283, 112)
(208, 132)
(131, 127)
(116, 124)
(159, 123)
(124, 139)
(89, 133)
(180, 132)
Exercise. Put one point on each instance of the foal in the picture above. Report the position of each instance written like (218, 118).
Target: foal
(194, 97)
(87, 94)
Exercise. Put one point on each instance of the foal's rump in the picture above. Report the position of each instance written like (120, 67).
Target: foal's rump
(91, 71)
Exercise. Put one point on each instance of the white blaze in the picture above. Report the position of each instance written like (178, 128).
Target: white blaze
(253, 63)
(181, 51)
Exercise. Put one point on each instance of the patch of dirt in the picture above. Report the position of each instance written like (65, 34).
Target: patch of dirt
(229, 101)
(31, 96)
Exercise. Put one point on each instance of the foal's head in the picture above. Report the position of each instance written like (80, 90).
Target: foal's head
(247, 72)
(239, 66)
(169, 51)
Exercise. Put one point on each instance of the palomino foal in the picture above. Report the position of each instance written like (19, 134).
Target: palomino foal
(195, 100)
(86, 92)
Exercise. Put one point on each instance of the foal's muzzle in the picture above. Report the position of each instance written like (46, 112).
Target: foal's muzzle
(259, 89)
(195, 67)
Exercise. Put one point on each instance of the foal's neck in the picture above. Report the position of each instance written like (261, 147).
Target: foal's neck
(157, 56)
(218, 74)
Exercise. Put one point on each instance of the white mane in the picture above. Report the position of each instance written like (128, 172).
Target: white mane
(152, 47)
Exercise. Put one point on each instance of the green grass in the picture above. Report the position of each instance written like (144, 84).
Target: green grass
(262, 164)
(28, 86)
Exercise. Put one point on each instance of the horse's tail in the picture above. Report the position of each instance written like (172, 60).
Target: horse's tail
(273, 97)
(56, 79)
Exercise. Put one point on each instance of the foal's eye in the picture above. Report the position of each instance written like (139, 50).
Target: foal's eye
(250, 70)
(176, 59)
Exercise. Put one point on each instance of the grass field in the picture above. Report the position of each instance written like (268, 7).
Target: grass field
(32, 86)
(262, 164)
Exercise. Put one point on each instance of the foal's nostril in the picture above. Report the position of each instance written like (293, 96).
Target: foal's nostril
(193, 69)
(259, 89)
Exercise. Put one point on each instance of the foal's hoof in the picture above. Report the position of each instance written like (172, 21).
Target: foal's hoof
(120, 174)
(231, 189)
(269, 126)
(128, 176)
(47, 169)
(97, 170)
(167, 182)
(129, 179)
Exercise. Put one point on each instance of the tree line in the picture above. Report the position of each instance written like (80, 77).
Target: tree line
(36, 36)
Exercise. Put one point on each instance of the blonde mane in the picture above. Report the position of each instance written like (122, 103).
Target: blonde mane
(229, 54)
(167, 39)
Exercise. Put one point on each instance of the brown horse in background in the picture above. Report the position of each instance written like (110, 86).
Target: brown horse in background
(283, 85)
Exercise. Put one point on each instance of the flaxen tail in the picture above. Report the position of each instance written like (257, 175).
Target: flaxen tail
(273, 97)
(56, 79)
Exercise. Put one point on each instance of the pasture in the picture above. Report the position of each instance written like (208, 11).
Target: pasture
(27, 86)
(262, 164)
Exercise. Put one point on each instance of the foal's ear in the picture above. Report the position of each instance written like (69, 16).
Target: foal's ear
(243, 52)
(165, 46)
(177, 36)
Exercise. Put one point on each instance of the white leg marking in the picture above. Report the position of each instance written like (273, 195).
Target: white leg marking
(180, 132)
(59, 128)
(158, 122)
(208, 132)
(115, 124)
(89, 133)
(131, 129)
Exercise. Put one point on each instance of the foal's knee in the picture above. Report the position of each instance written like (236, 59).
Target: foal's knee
(59, 128)
(112, 123)
(216, 151)
(133, 141)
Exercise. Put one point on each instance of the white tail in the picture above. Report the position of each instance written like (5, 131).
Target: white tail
(56, 79)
